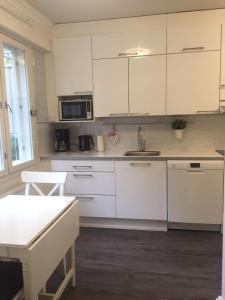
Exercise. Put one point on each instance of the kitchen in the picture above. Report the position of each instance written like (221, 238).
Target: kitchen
(130, 104)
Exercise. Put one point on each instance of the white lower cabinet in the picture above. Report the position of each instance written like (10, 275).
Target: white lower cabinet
(92, 183)
(141, 190)
(99, 183)
(97, 206)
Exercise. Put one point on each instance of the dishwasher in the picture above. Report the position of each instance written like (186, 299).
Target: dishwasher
(195, 191)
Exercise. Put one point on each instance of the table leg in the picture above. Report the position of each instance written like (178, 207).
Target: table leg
(72, 254)
(28, 293)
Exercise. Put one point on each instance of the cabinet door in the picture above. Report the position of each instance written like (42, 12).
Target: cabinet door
(149, 40)
(141, 190)
(193, 82)
(193, 31)
(97, 206)
(73, 65)
(147, 85)
(222, 81)
(110, 87)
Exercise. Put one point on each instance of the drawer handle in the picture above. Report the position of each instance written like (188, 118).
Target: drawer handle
(222, 86)
(84, 198)
(140, 164)
(83, 175)
(127, 54)
(119, 114)
(195, 171)
(207, 111)
(82, 167)
(193, 49)
(139, 114)
(83, 93)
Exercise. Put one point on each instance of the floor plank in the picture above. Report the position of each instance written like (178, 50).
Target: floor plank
(142, 265)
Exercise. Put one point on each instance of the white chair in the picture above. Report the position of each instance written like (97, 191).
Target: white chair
(31, 179)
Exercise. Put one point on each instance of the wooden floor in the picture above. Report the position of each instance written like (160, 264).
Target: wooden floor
(141, 265)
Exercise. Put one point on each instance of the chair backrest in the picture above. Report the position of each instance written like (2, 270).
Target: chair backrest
(56, 178)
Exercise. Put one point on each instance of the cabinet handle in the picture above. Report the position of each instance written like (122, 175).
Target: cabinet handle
(83, 175)
(139, 114)
(84, 198)
(207, 111)
(193, 49)
(195, 171)
(127, 54)
(140, 164)
(82, 167)
(222, 86)
(83, 93)
(119, 114)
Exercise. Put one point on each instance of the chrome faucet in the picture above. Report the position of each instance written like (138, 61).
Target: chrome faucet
(140, 139)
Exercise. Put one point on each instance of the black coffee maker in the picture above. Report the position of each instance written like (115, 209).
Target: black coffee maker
(62, 140)
(85, 142)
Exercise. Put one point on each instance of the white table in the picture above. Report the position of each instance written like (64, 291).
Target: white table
(39, 230)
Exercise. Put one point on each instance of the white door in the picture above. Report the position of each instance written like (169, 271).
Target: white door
(110, 87)
(193, 82)
(73, 65)
(193, 31)
(141, 190)
(147, 85)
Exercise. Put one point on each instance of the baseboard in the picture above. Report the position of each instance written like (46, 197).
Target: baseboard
(192, 226)
(123, 224)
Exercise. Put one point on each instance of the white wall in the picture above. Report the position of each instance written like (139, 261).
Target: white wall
(21, 21)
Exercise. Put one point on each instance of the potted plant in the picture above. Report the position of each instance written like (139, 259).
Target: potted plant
(178, 126)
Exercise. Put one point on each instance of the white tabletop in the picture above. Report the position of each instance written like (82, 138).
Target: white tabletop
(24, 218)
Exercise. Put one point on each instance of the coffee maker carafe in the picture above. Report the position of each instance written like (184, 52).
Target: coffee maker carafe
(62, 140)
(85, 142)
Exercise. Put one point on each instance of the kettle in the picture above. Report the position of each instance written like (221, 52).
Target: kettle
(85, 142)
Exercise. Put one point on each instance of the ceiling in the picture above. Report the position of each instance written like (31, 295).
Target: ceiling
(66, 11)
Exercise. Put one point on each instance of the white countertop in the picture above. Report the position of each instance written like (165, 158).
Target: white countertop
(24, 218)
(114, 155)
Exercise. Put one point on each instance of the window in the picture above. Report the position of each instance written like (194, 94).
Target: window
(16, 134)
(18, 104)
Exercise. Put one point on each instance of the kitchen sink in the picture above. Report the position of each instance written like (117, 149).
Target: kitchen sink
(142, 153)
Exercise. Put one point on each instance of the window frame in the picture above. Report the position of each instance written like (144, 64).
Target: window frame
(2, 130)
(30, 90)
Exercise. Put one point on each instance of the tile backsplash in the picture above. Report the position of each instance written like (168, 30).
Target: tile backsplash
(201, 132)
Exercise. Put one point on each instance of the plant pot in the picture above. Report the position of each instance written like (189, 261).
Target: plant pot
(178, 133)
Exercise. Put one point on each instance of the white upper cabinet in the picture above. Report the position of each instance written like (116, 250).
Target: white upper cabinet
(151, 40)
(73, 65)
(110, 87)
(147, 85)
(193, 31)
(193, 82)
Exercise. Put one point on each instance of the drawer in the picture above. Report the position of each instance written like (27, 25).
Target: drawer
(82, 165)
(97, 206)
(101, 183)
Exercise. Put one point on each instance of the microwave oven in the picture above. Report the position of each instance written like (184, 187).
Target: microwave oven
(75, 109)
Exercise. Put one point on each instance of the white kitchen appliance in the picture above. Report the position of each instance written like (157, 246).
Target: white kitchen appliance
(195, 192)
